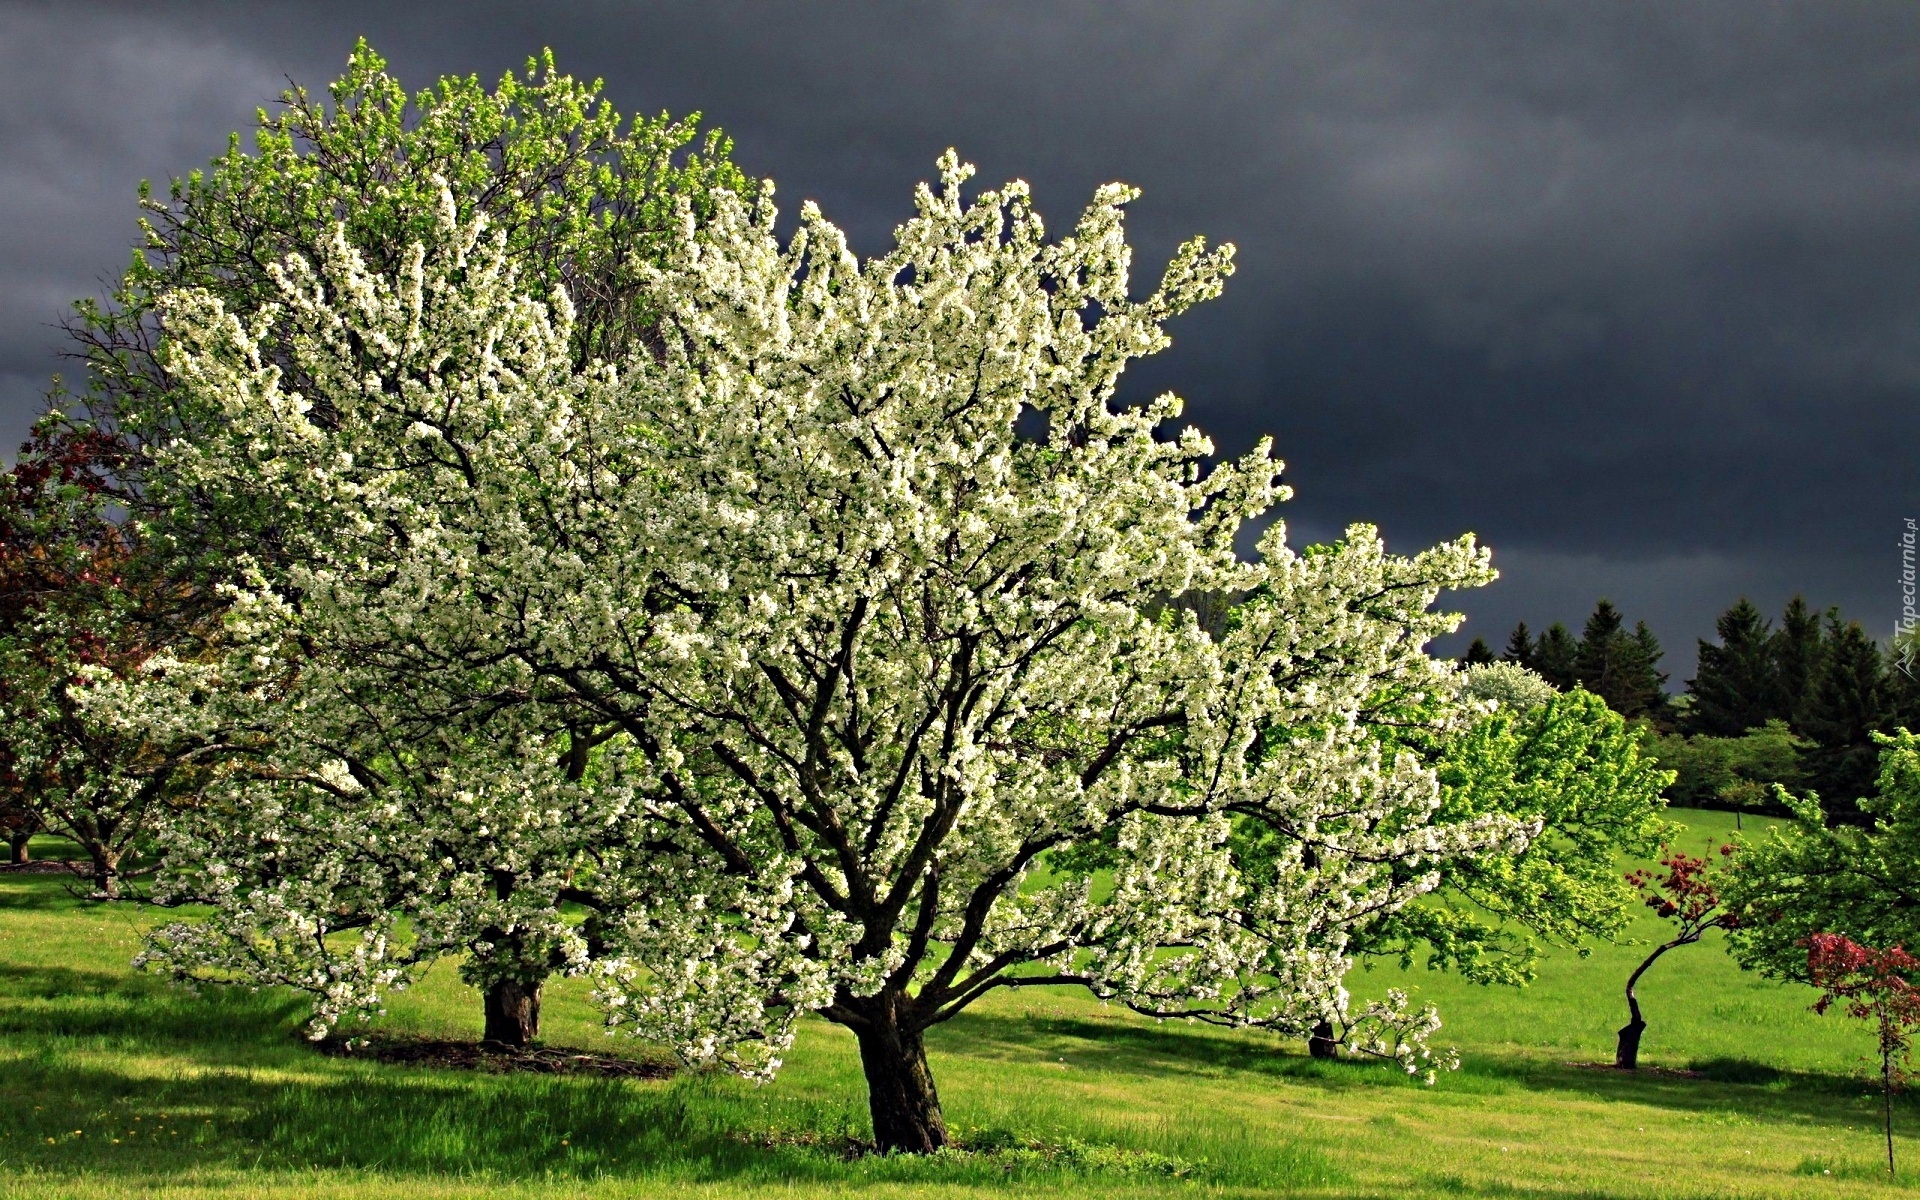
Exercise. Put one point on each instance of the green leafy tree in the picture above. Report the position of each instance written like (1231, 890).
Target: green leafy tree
(1738, 687)
(1563, 762)
(582, 195)
(1652, 684)
(1738, 773)
(1618, 666)
(1859, 878)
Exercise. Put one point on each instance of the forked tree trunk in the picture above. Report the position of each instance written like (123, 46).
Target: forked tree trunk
(1321, 1043)
(513, 1014)
(900, 1094)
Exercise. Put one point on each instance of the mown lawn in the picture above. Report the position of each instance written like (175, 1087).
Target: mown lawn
(116, 1084)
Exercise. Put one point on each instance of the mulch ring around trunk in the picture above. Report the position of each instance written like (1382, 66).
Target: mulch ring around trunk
(51, 866)
(481, 1056)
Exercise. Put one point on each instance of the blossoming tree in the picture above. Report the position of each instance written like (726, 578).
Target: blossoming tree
(335, 824)
(889, 710)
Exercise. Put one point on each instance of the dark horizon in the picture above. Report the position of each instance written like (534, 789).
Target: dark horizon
(1627, 291)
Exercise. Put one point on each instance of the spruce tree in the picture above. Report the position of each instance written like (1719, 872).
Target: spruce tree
(1554, 657)
(1519, 646)
(1849, 703)
(1478, 653)
(1648, 681)
(1796, 660)
(1737, 687)
(1618, 666)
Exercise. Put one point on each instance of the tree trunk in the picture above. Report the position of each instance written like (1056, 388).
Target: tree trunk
(900, 1095)
(17, 843)
(1626, 1055)
(106, 874)
(1886, 1097)
(513, 1014)
(1321, 1043)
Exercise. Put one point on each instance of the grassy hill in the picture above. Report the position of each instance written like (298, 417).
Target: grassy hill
(116, 1084)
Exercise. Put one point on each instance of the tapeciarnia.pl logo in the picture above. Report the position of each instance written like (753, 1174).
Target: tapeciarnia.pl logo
(1906, 645)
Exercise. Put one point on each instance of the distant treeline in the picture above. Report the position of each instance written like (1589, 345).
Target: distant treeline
(1795, 704)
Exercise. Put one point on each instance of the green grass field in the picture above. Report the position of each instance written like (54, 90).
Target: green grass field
(116, 1084)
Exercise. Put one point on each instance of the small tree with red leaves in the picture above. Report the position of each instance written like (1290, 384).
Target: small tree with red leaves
(1688, 895)
(1871, 985)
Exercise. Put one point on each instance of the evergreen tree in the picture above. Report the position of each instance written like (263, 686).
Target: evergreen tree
(1617, 666)
(1849, 703)
(1903, 682)
(1737, 687)
(1648, 681)
(1519, 646)
(1796, 660)
(1478, 653)
(1554, 657)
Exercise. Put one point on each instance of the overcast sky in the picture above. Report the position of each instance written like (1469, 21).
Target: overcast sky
(1631, 291)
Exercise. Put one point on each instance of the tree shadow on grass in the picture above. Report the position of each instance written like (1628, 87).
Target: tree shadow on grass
(71, 1118)
(1721, 1088)
(1135, 1047)
(42, 1004)
(1709, 1088)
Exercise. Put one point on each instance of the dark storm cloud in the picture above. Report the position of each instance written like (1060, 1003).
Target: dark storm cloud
(1630, 290)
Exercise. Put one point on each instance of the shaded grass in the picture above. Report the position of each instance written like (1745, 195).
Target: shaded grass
(116, 1084)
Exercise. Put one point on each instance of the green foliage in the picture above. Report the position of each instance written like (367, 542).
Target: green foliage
(1554, 657)
(1576, 769)
(1818, 875)
(1732, 773)
(1519, 648)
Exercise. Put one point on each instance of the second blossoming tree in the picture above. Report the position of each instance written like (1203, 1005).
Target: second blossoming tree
(872, 578)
